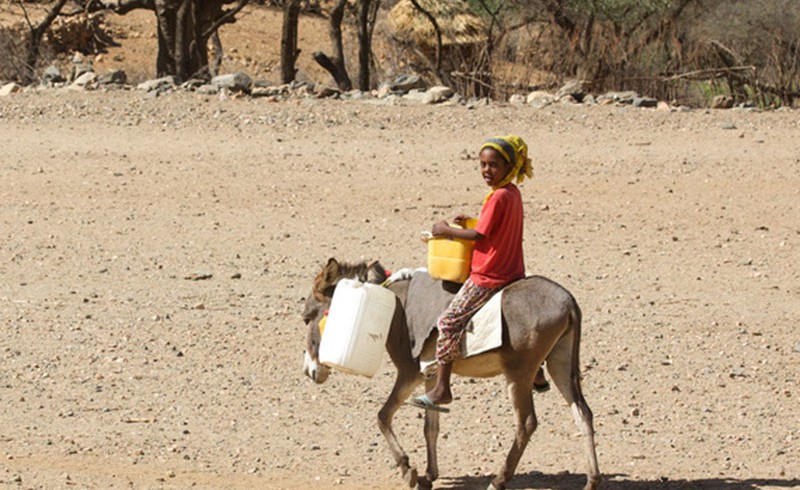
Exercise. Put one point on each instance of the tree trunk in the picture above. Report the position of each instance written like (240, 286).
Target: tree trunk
(184, 28)
(215, 62)
(364, 45)
(34, 43)
(335, 65)
(289, 51)
(438, 31)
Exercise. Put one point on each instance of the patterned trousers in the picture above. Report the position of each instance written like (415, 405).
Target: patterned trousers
(453, 321)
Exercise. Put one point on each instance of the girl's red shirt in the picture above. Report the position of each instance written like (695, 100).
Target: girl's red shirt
(497, 259)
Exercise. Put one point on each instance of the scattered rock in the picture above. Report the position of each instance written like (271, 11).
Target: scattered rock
(567, 99)
(9, 88)
(158, 85)
(574, 88)
(434, 95)
(193, 84)
(326, 92)
(113, 77)
(85, 80)
(539, 99)
(51, 76)
(727, 126)
(517, 99)
(208, 89)
(644, 102)
(236, 82)
(721, 102)
(198, 276)
(79, 67)
(406, 83)
(625, 97)
(438, 94)
(663, 107)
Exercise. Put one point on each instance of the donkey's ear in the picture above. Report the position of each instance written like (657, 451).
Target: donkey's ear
(326, 278)
(376, 273)
(331, 272)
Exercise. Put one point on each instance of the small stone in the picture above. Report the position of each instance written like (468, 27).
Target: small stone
(237, 82)
(516, 99)
(52, 75)
(406, 83)
(721, 102)
(574, 88)
(327, 92)
(157, 85)
(9, 88)
(539, 99)
(645, 102)
(85, 80)
(113, 77)
(199, 276)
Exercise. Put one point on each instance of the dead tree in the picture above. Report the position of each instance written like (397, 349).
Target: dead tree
(289, 51)
(34, 42)
(184, 29)
(367, 10)
(335, 65)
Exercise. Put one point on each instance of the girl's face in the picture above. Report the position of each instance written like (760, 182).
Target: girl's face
(494, 168)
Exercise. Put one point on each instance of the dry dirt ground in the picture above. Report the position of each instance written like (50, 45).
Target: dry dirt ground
(679, 234)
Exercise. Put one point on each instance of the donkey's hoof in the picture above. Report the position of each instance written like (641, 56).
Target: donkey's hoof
(592, 483)
(424, 484)
(410, 476)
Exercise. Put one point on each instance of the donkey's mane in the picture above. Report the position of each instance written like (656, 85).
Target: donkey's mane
(356, 270)
(334, 270)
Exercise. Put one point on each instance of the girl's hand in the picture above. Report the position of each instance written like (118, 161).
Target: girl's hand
(440, 228)
(461, 220)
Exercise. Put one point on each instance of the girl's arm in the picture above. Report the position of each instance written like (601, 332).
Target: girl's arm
(442, 229)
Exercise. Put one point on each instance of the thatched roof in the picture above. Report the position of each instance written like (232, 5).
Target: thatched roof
(458, 24)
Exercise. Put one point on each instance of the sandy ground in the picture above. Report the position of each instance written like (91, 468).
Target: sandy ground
(679, 234)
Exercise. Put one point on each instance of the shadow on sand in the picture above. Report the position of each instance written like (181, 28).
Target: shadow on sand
(541, 481)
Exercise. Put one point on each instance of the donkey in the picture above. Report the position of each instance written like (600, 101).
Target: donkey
(541, 323)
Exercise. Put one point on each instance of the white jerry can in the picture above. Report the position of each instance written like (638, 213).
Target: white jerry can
(357, 327)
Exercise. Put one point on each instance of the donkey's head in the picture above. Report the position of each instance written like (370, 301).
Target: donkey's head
(319, 301)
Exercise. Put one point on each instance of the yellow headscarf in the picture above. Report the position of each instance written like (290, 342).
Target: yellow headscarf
(514, 150)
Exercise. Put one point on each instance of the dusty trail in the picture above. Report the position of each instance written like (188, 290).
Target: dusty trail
(120, 367)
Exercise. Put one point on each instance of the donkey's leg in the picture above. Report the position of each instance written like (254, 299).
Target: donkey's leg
(403, 387)
(431, 437)
(520, 383)
(563, 369)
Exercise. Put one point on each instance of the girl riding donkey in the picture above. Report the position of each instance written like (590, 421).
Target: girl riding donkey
(497, 258)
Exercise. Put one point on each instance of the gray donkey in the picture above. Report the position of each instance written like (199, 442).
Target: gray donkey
(541, 322)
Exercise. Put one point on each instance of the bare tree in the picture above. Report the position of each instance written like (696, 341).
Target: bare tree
(336, 65)
(36, 34)
(289, 51)
(184, 30)
(367, 11)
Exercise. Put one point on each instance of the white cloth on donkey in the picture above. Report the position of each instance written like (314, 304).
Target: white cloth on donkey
(483, 332)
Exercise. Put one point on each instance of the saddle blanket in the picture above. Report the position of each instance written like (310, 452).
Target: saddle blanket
(484, 332)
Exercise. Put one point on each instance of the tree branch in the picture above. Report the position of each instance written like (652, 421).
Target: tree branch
(228, 16)
(120, 7)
